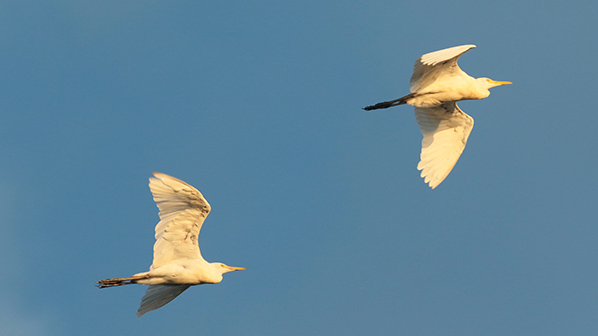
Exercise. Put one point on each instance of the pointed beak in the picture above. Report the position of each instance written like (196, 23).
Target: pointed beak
(232, 268)
(500, 83)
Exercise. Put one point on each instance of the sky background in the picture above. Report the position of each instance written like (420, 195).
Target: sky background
(258, 105)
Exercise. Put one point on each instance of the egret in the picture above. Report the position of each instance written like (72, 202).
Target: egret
(437, 84)
(177, 263)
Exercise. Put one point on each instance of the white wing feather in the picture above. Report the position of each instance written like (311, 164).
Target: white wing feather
(183, 210)
(429, 67)
(158, 295)
(445, 129)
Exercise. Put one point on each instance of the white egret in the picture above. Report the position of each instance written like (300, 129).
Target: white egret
(437, 84)
(177, 263)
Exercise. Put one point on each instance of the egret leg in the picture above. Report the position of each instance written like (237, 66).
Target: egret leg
(121, 281)
(387, 104)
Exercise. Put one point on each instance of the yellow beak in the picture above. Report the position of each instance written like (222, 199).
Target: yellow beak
(501, 83)
(236, 268)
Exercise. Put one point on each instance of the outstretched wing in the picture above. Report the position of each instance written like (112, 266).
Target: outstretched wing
(446, 129)
(429, 67)
(182, 212)
(158, 295)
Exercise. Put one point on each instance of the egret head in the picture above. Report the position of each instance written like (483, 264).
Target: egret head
(482, 85)
(214, 273)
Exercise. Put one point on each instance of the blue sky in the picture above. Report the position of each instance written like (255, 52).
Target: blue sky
(258, 105)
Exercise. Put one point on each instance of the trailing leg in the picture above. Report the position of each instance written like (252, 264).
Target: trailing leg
(387, 104)
(121, 281)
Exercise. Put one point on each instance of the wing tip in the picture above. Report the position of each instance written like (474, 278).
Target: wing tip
(164, 178)
(433, 185)
(431, 182)
(156, 176)
(159, 175)
(431, 175)
(445, 54)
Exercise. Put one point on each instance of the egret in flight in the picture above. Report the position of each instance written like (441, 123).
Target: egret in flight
(437, 84)
(178, 263)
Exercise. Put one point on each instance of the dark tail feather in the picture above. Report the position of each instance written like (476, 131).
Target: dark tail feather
(387, 104)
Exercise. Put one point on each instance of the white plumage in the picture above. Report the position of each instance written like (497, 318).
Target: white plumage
(437, 84)
(177, 263)
(445, 129)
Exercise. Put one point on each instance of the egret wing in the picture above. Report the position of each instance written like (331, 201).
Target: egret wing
(431, 66)
(445, 129)
(183, 210)
(158, 295)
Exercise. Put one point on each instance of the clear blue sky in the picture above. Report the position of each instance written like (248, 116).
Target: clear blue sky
(258, 105)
